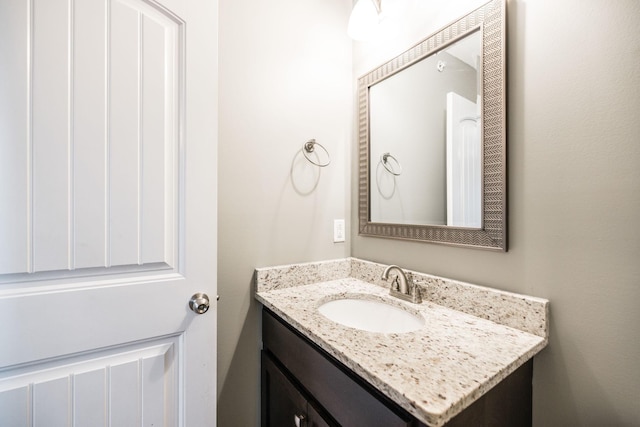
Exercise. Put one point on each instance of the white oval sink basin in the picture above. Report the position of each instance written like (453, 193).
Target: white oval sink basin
(372, 316)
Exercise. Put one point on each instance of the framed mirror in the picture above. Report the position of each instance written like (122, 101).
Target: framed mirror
(432, 137)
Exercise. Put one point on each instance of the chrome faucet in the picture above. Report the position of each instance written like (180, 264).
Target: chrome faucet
(399, 282)
(402, 285)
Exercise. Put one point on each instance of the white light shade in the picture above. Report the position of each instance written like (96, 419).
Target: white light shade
(364, 20)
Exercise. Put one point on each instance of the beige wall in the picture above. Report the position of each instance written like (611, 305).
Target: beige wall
(574, 205)
(574, 185)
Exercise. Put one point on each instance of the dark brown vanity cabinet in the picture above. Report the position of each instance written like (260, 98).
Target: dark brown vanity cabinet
(283, 403)
(303, 385)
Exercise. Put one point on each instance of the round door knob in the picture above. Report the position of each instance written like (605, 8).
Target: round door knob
(199, 303)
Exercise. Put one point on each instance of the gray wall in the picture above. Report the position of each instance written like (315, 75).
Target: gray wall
(574, 205)
(285, 77)
(574, 186)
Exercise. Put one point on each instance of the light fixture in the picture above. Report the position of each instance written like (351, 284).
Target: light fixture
(364, 19)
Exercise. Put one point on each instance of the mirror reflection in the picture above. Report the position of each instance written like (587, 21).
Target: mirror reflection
(425, 140)
(432, 137)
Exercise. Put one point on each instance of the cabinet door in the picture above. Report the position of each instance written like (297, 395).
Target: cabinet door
(282, 403)
(314, 419)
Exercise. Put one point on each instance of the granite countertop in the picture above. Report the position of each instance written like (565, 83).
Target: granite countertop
(473, 336)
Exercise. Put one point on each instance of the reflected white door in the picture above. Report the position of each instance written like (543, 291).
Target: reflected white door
(107, 212)
(464, 163)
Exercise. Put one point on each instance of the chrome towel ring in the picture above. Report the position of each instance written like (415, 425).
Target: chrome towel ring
(309, 148)
(384, 159)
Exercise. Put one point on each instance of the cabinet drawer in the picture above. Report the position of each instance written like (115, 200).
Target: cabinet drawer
(349, 400)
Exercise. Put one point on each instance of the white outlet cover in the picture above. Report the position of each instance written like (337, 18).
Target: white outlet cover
(338, 230)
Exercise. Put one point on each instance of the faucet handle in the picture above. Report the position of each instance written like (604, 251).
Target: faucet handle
(409, 277)
(416, 296)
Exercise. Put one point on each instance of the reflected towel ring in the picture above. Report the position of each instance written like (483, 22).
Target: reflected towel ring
(309, 147)
(384, 160)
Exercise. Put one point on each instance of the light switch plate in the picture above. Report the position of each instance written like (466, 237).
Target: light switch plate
(338, 230)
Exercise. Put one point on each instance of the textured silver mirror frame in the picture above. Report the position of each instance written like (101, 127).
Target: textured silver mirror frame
(490, 19)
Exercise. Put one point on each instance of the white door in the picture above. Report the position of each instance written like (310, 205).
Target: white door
(108, 128)
(464, 163)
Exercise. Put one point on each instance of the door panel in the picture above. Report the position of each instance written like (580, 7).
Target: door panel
(48, 145)
(134, 385)
(101, 165)
(14, 129)
(89, 133)
(107, 212)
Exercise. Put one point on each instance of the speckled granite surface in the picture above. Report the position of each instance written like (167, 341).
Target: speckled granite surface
(472, 339)
(529, 314)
